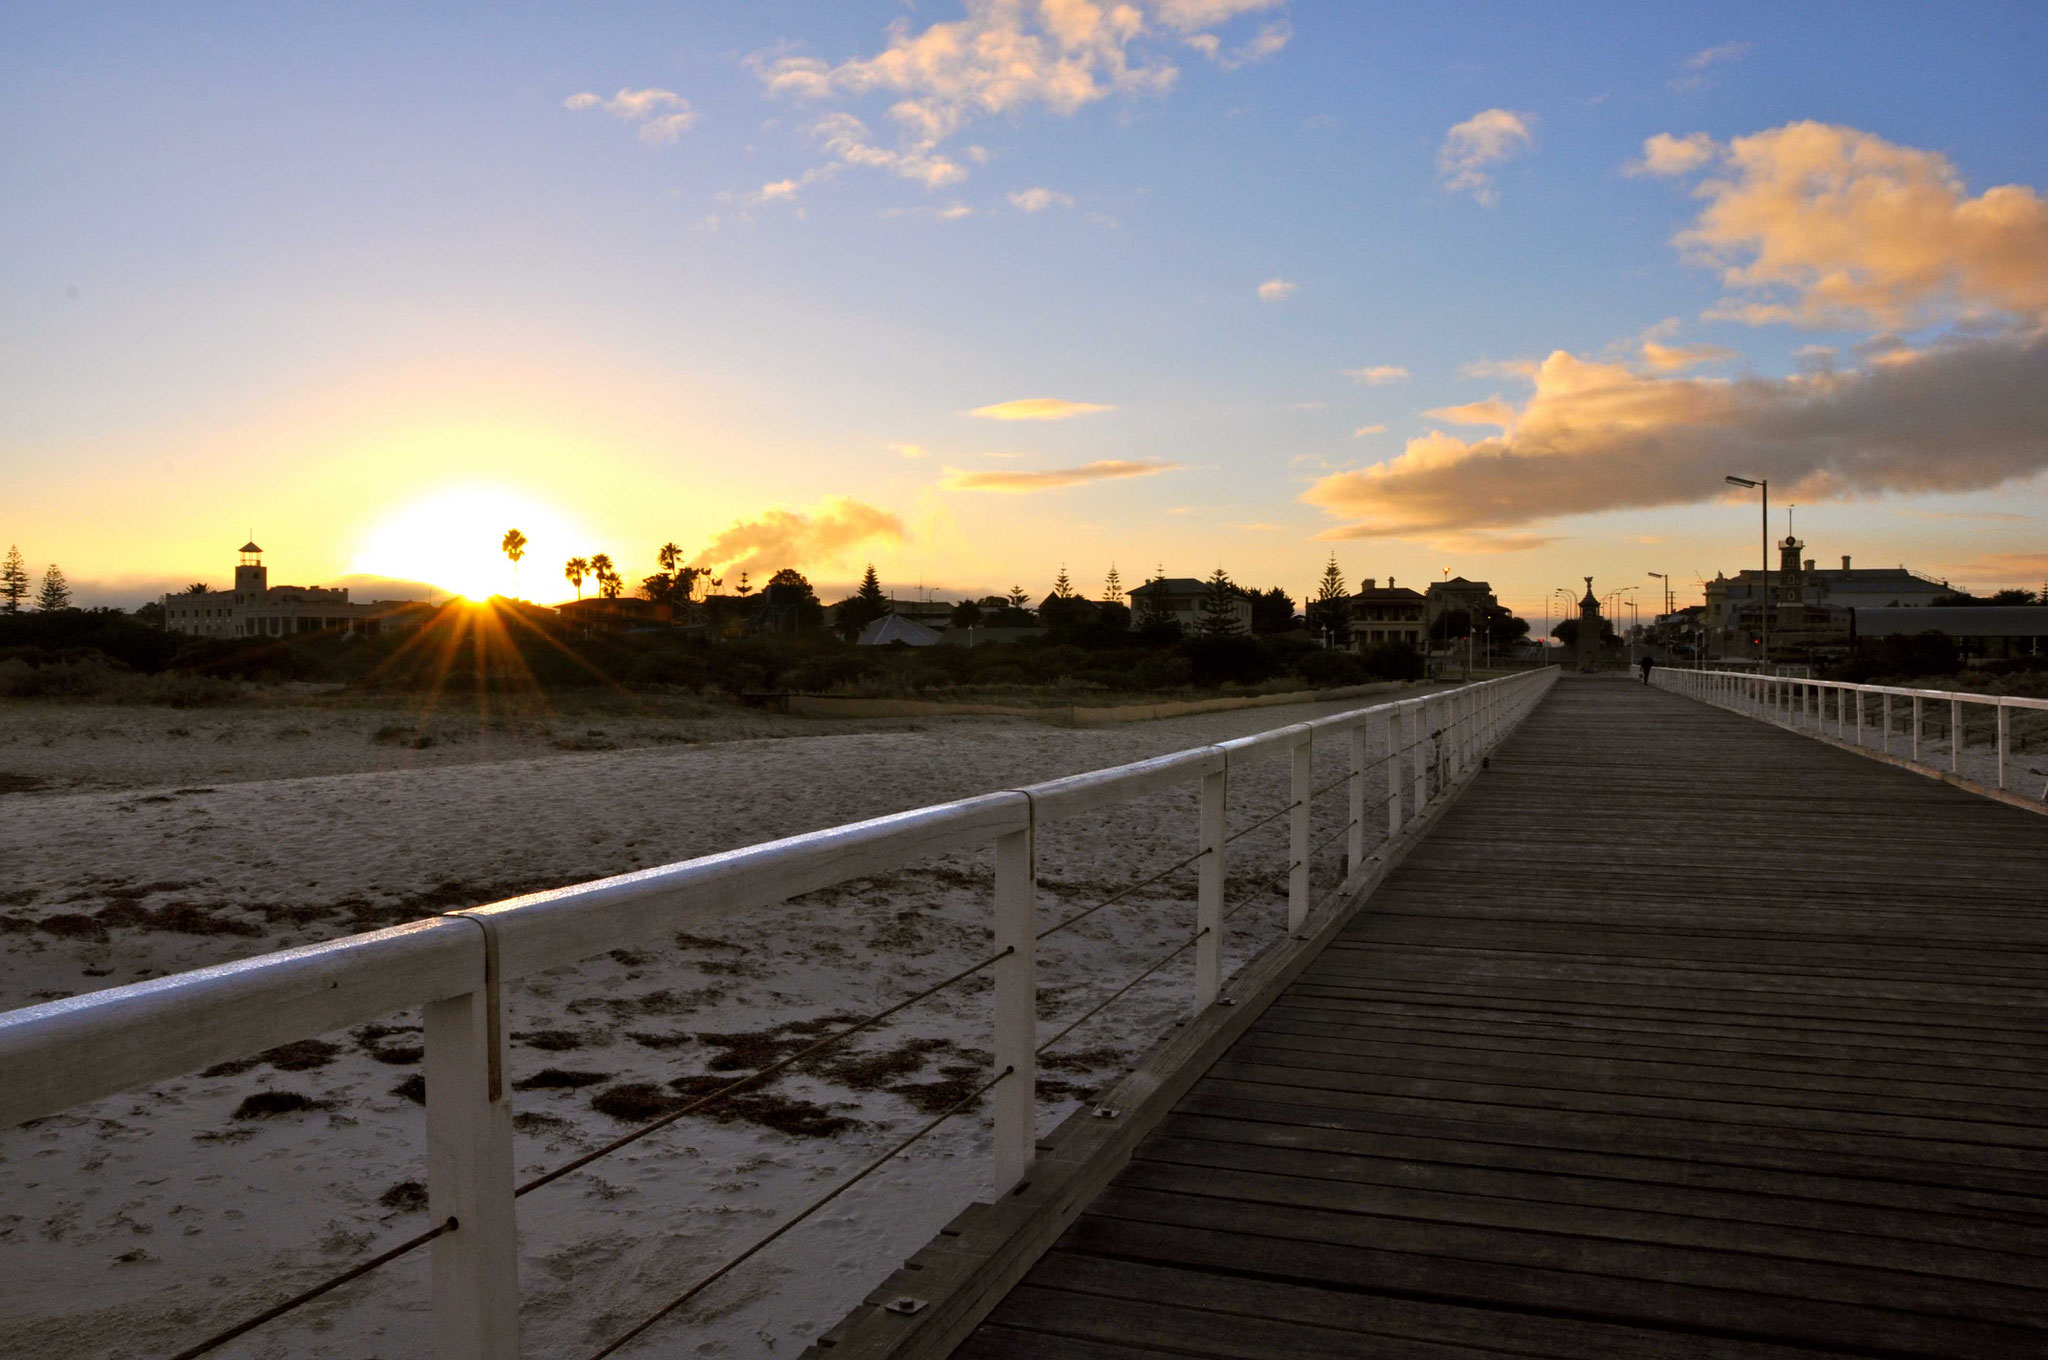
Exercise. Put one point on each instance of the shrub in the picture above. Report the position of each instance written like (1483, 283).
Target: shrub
(1330, 668)
(1393, 661)
(1228, 660)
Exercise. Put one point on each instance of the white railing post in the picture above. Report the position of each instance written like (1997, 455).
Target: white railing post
(1016, 1009)
(1955, 736)
(1392, 728)
(1887, 745)
(1417, 715)
(1916, 729)
(1354, 838)
(1859, 716)
(469, 1176)
(1297, 833)
(2004, 734)
(1209, 891)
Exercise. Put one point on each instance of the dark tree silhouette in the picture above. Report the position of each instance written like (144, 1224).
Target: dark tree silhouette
(863, 607)
(513, 545)
(574, 570)
(13, 582)
(1219, 607)
(1112, 587)
(55, 594)
(1328, 614)
(1272, 611)
(199, 588)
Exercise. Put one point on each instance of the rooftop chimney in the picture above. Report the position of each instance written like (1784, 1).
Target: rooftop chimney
(1809, 564)
(1367, 584)
(1390, 583)
(1845, 561)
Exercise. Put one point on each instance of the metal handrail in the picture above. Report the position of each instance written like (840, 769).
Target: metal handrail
(1800, 704)
(65, 1053)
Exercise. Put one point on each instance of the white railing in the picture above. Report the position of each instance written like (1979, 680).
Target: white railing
(65, 1053)
(1872, 718)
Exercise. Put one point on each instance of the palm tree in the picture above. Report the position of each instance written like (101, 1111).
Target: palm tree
(513, 545)
(574, 570)
(198, 588)
(669, 557)
(607, 578)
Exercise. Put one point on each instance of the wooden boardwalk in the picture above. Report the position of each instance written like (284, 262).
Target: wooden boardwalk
(1680, 1037)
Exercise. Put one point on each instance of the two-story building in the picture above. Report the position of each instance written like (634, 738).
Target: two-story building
(1808, 606)
(1381, 614)
(1180, 599)
(255, 608)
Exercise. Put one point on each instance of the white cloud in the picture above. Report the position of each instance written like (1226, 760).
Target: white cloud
(1272, 290)
(908, 450)
(1364, 430)
(1003, 57)
(1038, 408)
(1053, 479)
(661, 116)
(1665, 154)
(1038, 200)
(1697, 65)
(845, 137)
(1379, 375)
(1486, 138)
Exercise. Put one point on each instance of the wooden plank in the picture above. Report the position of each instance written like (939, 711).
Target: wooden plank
(1743, 1066)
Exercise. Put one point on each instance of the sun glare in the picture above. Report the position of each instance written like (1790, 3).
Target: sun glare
(451, 539)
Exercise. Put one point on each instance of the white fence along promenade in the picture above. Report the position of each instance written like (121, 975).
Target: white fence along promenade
(66, 1053)
(1905, 726)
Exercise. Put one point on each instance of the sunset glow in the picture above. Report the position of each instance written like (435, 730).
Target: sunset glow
(975, 289)
(449, 538)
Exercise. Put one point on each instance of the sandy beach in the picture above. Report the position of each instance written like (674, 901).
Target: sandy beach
(141, 842)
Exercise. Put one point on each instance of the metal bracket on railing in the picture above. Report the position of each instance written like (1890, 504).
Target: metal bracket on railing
(495, 1068)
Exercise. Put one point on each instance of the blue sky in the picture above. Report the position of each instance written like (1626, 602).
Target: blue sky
(307, 271)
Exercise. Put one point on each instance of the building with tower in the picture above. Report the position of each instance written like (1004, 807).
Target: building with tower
(1586, 646)
(1809, 605)
(255, 608)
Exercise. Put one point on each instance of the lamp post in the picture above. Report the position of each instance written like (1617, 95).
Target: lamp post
(1763, 483)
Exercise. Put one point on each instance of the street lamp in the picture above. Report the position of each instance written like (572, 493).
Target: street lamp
(1765, 637)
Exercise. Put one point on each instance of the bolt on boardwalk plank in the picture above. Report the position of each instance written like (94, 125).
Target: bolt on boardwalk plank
(1681, 1036)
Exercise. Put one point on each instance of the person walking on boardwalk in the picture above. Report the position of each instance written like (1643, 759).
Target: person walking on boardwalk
(1646, 663)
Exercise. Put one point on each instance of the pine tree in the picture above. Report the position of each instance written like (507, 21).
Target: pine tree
(54, 595)
(1019, 598)
(1112, 587)
(13, 582)
(1219, 607)
(1062, 588)
(1327, 615)
(871, 591)
(1152, 604)
(866, 605)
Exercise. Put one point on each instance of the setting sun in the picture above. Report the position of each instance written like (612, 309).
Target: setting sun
(451, 539)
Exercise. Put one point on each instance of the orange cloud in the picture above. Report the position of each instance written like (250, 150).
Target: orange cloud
(1598, 436)
(1038, 408)
(1054, 479)
(1823, 225)
(792, 538)
(1492, 411)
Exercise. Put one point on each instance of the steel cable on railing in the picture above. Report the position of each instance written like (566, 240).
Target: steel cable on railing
(815, 1205)
(1119, 895)
(1104, 1004)
(755, 1078)
(247, 1325)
